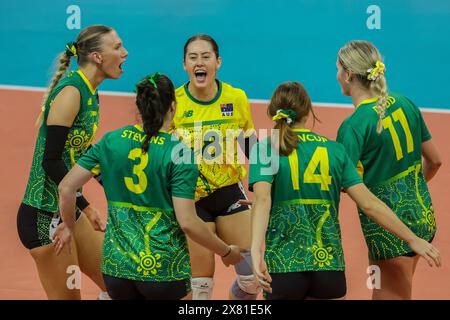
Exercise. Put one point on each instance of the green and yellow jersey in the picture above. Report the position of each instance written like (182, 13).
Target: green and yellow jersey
(211, 129)
(41, 191)
(143, 240)
(391, 166)
(303, 233)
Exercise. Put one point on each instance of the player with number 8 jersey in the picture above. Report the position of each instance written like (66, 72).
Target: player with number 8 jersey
(214, 118)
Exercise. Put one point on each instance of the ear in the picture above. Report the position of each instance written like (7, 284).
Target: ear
(173, 106)
(348, 77)
(96, 57)
(219, 63)
(184, 65)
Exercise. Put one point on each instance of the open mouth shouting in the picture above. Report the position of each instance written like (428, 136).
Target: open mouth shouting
(200, 75)
(120, 66)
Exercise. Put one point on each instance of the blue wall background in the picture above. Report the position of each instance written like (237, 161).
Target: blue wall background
(262, 43)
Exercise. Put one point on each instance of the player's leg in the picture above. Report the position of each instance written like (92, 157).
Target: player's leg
(202, 266)
(89, 244)
(35, 228)
(416, 260)
(396, 278)
(236, 229)
(54, 272)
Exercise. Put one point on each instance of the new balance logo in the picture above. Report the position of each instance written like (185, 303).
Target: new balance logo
(233, 207)
(188, 113)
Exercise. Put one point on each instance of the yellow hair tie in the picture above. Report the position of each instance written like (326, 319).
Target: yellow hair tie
(71, 49)
(288, 114)
(375, 72)
(279, 116)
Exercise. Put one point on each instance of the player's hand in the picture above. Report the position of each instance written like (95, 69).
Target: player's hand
(260, 270)
(427, 251)
(62, 238)
(233, 257)
(245, 202)
(94, 218)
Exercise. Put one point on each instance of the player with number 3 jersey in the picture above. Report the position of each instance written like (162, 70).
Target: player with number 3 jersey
(149, 180)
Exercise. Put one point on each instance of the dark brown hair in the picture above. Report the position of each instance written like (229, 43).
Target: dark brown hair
(289, 95)
(153, 103)
(203, 37)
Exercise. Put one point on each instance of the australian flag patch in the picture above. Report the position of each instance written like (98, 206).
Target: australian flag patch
(227, 109)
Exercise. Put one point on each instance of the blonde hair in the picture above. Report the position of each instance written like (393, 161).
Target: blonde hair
(358, 57)
(89, 40)
(293, 96)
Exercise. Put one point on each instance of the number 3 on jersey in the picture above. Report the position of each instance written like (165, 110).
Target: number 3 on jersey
(318, 159)
(138, 170)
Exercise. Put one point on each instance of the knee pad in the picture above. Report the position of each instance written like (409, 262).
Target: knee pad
(202, 288)
(245, 287)
(245, 266)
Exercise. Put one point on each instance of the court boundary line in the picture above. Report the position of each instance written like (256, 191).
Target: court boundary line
(259, 101)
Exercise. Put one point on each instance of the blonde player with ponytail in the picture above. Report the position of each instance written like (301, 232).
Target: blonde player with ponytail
(297, 177)
(67, 126)
(385, 138)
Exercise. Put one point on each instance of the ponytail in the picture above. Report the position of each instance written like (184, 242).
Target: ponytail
(152, 112)
(364, 60)
(379, 86)
(288, 139)
(154, 96)
(290, 104)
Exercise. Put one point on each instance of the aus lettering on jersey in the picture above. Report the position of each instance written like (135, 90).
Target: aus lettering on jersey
(227, 109)
(140, 137)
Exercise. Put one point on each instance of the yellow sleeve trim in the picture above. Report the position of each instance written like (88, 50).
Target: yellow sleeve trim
(360, 169)
(96, 170)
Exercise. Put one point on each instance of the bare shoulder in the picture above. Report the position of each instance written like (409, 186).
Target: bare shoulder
(65, 107)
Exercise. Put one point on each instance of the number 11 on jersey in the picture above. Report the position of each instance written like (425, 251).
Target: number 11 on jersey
(399, 116)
